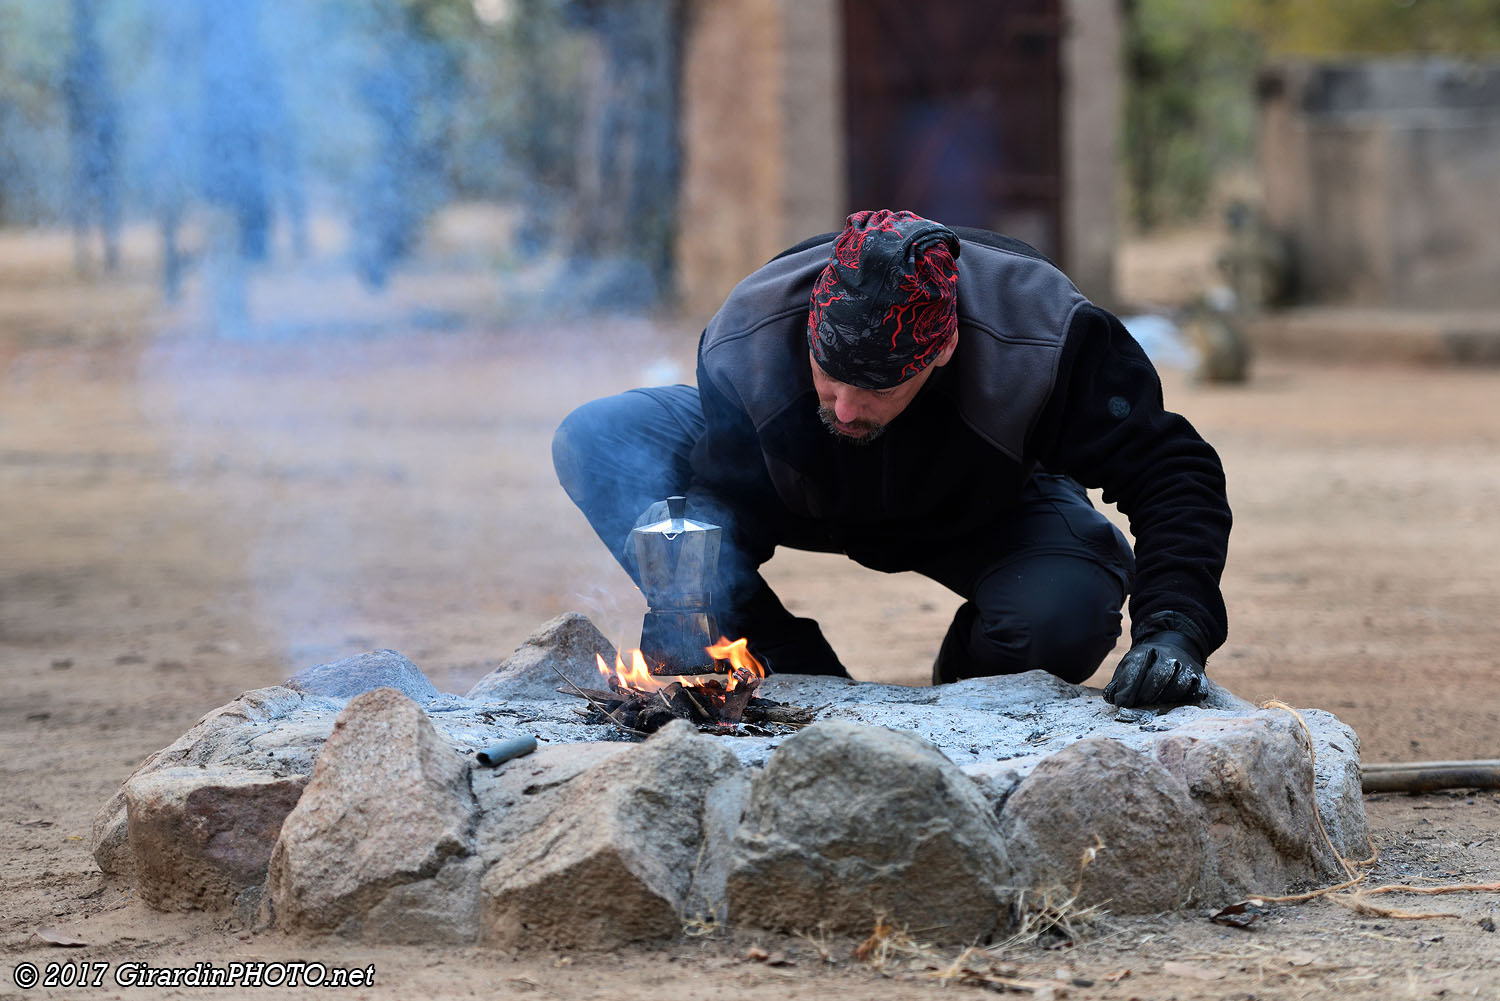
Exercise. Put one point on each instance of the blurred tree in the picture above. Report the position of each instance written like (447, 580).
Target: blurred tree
(235, 84)
(165, 100)
(34, 154)
(405, 87)
(1188, 109)
(94, 137)
(628, 166)
(525, 115)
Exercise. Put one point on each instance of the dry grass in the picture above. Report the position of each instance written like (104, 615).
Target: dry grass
(891, 950)
(889, 945)
(820, 942)
(700, 925)
(1054, 911)
(1359, 900)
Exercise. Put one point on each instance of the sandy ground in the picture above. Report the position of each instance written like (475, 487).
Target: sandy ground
(183, 518)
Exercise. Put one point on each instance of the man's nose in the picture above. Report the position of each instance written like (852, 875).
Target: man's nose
(848, 407)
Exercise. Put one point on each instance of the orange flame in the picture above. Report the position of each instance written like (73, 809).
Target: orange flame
(637, 676)
(743, 667)
(739, 657)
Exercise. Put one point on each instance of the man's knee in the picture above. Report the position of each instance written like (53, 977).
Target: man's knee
(1059, 614)
(640, 438)
(574, 440)
(1067, 649)
(1070, 639)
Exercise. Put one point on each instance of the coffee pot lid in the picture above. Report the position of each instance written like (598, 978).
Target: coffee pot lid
(676, 522)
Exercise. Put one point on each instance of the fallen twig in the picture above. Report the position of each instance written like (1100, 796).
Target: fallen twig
(1357, 903)
(697, 706)
(1428, 776)
(1442, 888)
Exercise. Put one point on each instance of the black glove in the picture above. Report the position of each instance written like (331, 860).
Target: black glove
(1164, 668)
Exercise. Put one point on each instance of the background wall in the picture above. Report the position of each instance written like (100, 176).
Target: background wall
(1384, 178)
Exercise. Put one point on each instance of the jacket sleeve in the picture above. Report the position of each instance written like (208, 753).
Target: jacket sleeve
(732, 489)
(1106, 426)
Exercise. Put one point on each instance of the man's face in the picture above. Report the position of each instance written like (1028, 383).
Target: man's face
(861, 415)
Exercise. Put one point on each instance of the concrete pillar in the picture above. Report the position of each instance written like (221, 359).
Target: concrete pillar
(1091, 101)
(813, 110)
(762, 136)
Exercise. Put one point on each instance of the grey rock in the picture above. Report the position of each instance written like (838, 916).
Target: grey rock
(109, 838)
(1253, 781)
(346, 678)
(388, 805)
(1107, 825)
(996, 780)
(442, 909)
(198, 836)
(1215, 696)
(623, 850)
(424, 859)
(994, 726)
(1336, 774)
(568, 643)
(272, 730)
(850, 823)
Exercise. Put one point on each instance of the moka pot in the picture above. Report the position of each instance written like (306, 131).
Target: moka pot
(677, 559)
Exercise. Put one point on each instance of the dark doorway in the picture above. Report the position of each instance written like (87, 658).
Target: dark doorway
(953, 111)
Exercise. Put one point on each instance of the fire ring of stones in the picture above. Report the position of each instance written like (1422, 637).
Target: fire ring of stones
(350, 801)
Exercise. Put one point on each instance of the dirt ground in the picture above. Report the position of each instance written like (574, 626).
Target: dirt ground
(184, 517)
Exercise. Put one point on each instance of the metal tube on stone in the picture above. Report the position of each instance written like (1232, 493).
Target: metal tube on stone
(505, 750)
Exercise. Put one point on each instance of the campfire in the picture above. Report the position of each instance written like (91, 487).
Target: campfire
(640, 700)
(643, 692)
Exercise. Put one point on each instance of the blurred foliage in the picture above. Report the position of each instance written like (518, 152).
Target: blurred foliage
(1188, 110)
(1372, 27)
(1191, 66)
(377, 110)
(500, 101)
(33, 50)
(527, 84)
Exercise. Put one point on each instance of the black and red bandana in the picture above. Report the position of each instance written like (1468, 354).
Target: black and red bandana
(887, 303)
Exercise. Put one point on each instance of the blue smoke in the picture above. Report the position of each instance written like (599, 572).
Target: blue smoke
(237, 129)
(242, 113)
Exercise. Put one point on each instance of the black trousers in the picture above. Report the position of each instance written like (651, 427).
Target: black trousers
(1043, 588)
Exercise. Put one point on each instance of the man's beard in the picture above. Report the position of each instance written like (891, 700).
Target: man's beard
(871, 429)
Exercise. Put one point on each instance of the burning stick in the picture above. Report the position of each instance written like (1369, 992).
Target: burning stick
(639, 700)
(738, 698)
(596, 705)
(710, 708)
(702, 713)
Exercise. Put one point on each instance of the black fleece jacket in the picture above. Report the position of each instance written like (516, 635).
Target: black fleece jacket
(1041, 379)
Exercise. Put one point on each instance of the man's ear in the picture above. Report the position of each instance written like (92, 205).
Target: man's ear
(947, 352)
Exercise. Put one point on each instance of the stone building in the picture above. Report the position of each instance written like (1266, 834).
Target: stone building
(1383, 178)
(796, 112)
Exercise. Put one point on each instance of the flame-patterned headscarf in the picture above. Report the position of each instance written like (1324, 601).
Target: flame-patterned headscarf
(887, 303)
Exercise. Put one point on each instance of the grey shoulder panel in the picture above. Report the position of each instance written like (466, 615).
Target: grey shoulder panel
(1013, 316)
(756, 343)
